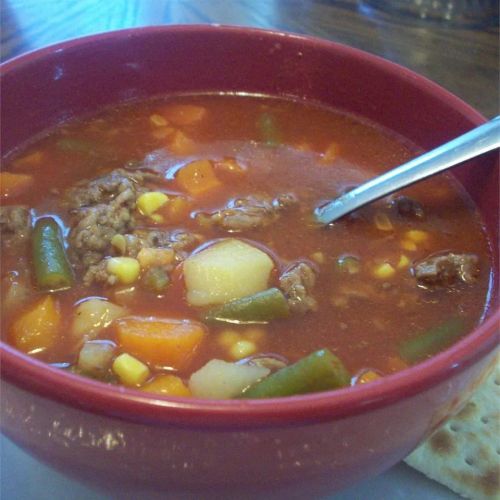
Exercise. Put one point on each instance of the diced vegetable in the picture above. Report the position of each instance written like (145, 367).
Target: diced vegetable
(184, 114)
(95, 357)
(158, 120)
(198, 177)
(156, 279)
(331, 152)
(368, 376)
(384, 271)
(432, 341)
(52, 268)
(176, 209)
(16, 295)
(228, 270)
(320, 371)
(119, 243)
(222, 380)
(37, 329)
(168, 385)
(152, 257)
(180, 144)
(227, 338)
(403, 262)
(382, 222)
(261, 307)
(348, 264)
(149, 203)
(93, 315)
(417, 235)
(161, 342)
(242, 348)
(268, 129)
(126, 269)
(395, 364)
(318, 257)
(408, 245)
(130, 370)
(162, 132)
(30, 160)
(14, 184)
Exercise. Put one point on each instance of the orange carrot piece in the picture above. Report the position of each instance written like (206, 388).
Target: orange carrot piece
(180, 144)
(14, 184)
(176, 210)
(37, 329)
(184, 114)
(198, 177)
(168, 385)
(161, 342)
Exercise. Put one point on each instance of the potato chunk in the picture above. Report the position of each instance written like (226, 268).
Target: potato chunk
(225, 271)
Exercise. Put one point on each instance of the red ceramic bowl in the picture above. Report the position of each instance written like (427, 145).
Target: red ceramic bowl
(296, 446)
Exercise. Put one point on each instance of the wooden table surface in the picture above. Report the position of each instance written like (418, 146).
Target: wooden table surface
(463, 60)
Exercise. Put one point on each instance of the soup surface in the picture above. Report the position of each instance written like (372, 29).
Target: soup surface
(170, 245)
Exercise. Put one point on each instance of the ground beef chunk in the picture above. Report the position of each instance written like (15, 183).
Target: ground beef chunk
(297, 283)
(106, 188)
(445, 270)
(407, 207)
(15, 225)
(248, 213)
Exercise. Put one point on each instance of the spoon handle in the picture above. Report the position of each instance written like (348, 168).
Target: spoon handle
(474, 143)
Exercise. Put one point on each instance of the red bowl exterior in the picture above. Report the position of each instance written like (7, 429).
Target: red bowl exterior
(123, 439)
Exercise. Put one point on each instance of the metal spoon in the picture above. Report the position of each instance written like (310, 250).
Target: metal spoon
(474, 143)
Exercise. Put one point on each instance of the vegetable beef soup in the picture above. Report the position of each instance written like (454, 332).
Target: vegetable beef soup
(169, 245)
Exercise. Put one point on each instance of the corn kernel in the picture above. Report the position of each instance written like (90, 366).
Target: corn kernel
(404, 261)
(417, 236)
(242, 349)
(130, 370)
(119, 242)
(318, 257)
(368, 376)
(227, 338)
(149, 203)
(157, 218)
(152, 257)
(408, 245)
(382, 222)
(126, 269)
(158, 120)
(384, 271)
(169, 385)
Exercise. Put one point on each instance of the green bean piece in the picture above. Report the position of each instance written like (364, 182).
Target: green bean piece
(269, 130)
(51, 265)
(432, 341)
(261, 307)
(320, 371)
(156, 279)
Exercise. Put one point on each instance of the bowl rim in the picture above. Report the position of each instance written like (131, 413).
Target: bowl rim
(36, 376)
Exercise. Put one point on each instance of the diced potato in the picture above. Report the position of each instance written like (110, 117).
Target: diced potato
(14, 184)
(130, 370)
(408, 245)
(95, 357)
(242, 348)
(180, 144)
(198, 177)
(149, 203)
(417, 235)
(160, 341)
(228, 270)
(93, 315)
(184, 114)
(318, 257)
(38, 328)
(403, 262)
(222, 380)
(368, 376)
(168, 385)
(382, 222)
(152, 257)
(384, 271)
(126, 269)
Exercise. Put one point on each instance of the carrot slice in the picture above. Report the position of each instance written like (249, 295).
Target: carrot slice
(14, 184)
(161, 342)
(184, 114)
(198, 177)
(37, 329)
